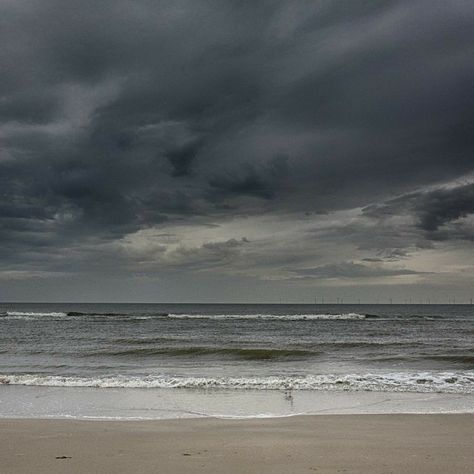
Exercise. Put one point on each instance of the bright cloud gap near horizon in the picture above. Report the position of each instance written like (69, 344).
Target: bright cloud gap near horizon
(236, 152)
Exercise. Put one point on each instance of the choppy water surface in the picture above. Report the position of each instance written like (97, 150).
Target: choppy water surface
(396, 348)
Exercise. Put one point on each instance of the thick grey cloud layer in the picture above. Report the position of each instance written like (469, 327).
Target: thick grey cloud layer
(436, 211)
(119, 118)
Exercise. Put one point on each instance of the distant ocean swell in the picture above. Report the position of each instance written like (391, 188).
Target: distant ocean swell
(30, 315)
(240, 353)
(53, 315)
(422, 382)
(142, 350)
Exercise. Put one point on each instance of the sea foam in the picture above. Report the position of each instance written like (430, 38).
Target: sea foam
(45, 316)
(288, 317)
(423, 382)
(32, 314)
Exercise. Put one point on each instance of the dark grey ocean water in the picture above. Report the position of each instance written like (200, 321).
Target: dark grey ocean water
(398, 348)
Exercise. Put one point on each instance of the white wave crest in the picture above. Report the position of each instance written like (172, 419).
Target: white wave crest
(286, 317)
(442, 382)
(32, 314)
(37, 315)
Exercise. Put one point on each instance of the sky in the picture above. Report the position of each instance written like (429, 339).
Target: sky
(233, 151)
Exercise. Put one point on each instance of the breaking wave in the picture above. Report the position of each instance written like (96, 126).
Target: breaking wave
(424, 382)
(285, 317)
(34, 315)
(79, 313)
(53, 315)
(31, 314)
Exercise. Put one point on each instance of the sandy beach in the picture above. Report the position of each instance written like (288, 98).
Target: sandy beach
(334, 443)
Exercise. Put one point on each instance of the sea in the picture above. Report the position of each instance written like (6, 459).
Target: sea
(154, 361)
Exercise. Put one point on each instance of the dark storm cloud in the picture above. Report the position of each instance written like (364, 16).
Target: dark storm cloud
(181, 159)
(116, 116)
(248, 180)
(439, 213)
(442, 206)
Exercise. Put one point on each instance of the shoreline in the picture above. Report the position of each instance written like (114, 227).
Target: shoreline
(36, 402)
(302, 443)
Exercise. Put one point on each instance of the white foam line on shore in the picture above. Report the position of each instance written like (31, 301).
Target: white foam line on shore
(419, 382)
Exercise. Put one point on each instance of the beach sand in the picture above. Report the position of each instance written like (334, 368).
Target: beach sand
(333, 443)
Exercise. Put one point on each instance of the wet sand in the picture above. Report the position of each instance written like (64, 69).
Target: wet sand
(333, 443)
